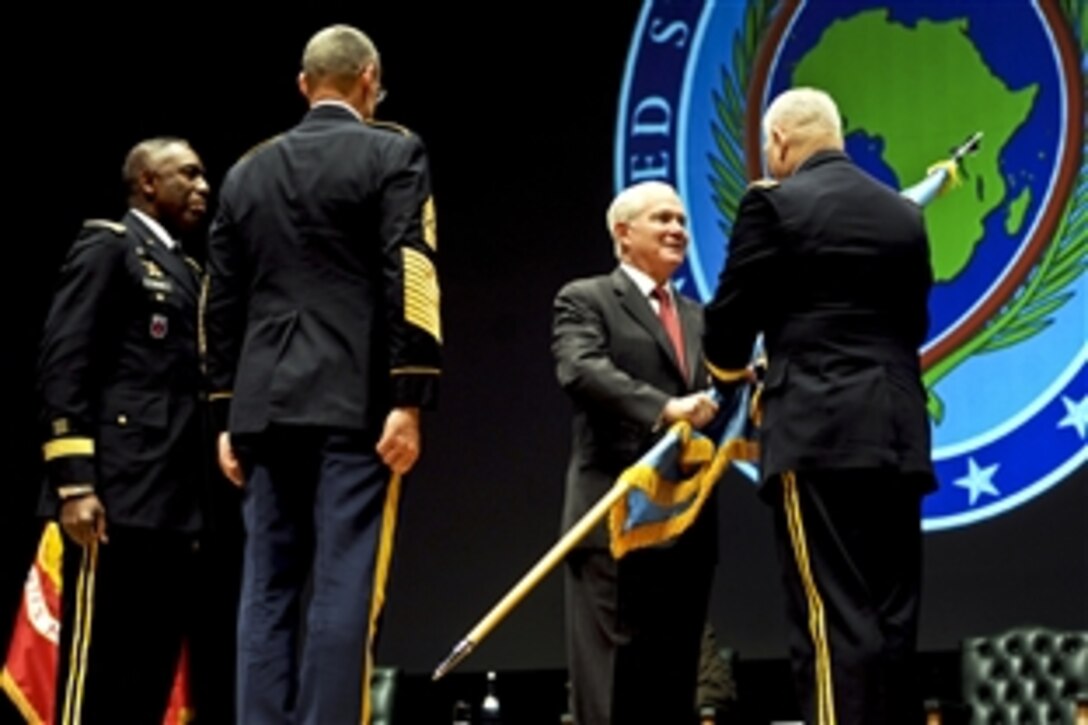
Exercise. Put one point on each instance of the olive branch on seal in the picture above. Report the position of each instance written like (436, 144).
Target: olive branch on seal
(1046, 288)
(728, 179)
(1031, 307)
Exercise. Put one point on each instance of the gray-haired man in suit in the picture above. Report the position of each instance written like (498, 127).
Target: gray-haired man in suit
(627, 350)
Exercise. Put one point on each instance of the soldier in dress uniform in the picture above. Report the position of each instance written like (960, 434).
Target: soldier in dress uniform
(119, 378)
(832, 266)
(324, 342)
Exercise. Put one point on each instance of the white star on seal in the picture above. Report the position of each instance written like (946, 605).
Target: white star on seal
(977, 481)
(1076, 415)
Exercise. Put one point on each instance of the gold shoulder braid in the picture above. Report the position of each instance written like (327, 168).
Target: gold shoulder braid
(258, 146)
(115, 227)
(389, 126)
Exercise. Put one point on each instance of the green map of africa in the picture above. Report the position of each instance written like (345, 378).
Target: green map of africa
(921, 90)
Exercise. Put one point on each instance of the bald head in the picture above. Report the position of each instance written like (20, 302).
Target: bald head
(340, 63)
(797, 124)
(337, 55)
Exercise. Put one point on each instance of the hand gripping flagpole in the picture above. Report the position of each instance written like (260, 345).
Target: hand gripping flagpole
(555, 555)
(939, 178)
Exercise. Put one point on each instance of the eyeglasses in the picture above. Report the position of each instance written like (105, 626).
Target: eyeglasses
(381, 96)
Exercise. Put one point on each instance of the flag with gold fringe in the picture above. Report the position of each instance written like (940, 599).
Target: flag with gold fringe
(670, 483)
(30, 669)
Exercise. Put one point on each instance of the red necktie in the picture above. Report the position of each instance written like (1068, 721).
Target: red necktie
(671, 322)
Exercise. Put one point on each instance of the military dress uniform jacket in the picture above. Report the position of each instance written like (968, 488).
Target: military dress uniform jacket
(323, 302)
(833, 267)
(119, 379)
(615, 361)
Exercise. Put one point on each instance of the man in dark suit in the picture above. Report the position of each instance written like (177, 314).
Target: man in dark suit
(833, 268)
(119, 378)
(324, 340)
(627, 351)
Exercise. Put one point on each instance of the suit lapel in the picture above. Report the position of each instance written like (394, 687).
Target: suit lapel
(172, 263)
(637, 306)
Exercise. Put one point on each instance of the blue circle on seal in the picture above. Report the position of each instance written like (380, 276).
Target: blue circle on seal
(1004, 362)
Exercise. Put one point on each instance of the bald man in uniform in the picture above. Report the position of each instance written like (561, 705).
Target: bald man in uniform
(324, 345)
(833, 268)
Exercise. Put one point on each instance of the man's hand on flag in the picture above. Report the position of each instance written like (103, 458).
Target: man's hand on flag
(84, 519)
(697, 409)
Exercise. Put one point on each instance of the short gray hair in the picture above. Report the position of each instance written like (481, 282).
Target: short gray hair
(809, 111)
(337, 54)
(631, 202)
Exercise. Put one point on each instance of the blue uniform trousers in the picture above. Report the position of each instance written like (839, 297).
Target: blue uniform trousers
(319, 512)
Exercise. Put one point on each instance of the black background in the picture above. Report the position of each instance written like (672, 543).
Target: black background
(517, 106)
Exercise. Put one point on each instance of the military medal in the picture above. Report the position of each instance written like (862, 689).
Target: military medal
(159, 326)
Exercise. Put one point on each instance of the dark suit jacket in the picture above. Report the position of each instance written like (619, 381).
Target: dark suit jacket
(833, 267)
(616, 363)
(323, 299)
(119, 378)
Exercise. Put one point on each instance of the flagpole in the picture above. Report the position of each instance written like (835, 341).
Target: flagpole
(533, 577)
(942, 174)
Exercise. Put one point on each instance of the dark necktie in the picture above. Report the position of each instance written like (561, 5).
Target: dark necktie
(666, 311)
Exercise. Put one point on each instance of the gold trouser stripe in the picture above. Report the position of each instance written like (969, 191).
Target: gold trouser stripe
(64, 447)
(81, 636)
(381, 576)
(817, 622)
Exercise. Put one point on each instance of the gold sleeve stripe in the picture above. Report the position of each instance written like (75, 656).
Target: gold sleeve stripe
(726, 376)
(421, 293)
(430, 224)
(67, 447)
(221, 395)
(415, 300)
(415, 370)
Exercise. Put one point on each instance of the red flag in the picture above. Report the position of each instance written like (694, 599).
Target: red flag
(30, 670)
(179, 709)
